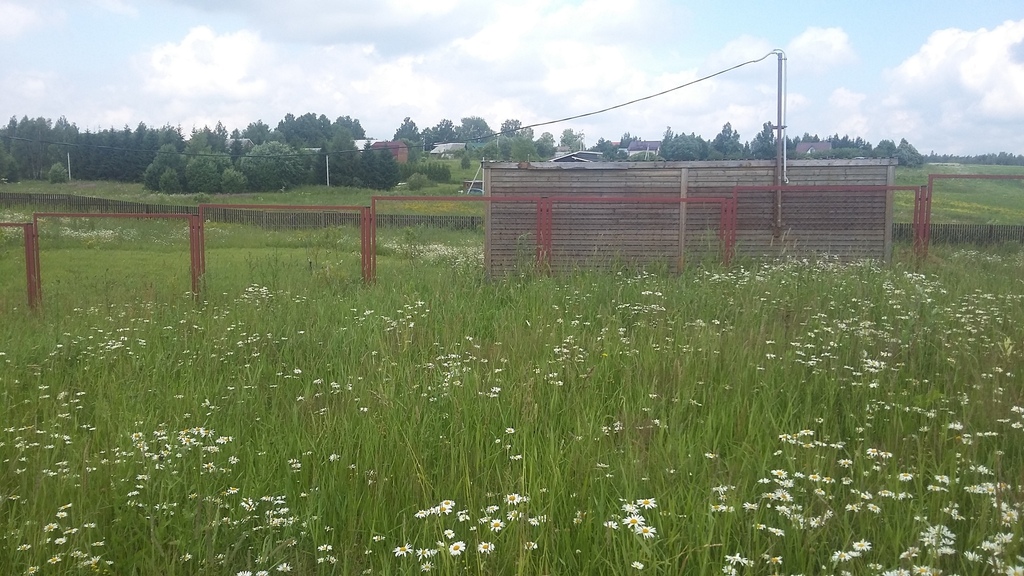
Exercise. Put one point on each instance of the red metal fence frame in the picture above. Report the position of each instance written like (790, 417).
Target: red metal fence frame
(193, 238)
(545, 216)
(32, 278)
(924, 205)
(367, 226)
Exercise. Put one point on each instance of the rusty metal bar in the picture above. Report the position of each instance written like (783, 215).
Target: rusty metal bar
(923, 220)
(367, 245)
(927, 226)
(134, 216)
(195, 253)
(31, 259)
(544, 233)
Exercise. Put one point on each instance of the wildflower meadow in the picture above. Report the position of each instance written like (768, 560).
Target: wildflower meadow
(785, 417)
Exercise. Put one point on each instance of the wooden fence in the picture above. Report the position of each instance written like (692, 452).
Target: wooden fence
(272, 220)
(700, 232)
(849, 225)
(962, 233)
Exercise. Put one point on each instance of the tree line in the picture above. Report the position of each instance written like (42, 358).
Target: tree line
(300, 150)
(513, 141)
(313, 149)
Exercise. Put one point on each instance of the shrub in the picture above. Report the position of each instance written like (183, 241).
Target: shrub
(272, 166)
(170, 182)
(57, 174)
(232, 181)
(417, 182)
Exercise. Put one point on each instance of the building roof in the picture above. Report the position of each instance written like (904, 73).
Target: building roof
(580, 156)
(637, 146)
(384, 145)
(812, 147)
(448, 147)
(245, 142)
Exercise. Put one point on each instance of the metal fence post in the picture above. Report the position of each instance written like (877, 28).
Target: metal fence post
(543, 233)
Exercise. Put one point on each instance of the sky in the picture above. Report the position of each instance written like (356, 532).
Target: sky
(947, 76)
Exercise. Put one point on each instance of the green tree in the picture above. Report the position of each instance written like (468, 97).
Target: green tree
(440, 134)
(167, 158)
(344, 159)
(908, 155)
(609, 151)
(574, 140)
(232, 181)
(885, 149)
(8, 166)
(511, 127)
(473, 128)
(351, 125)
(687, 147)
(727, 143)
(407, 131)
(58, 174)
(203, 173)
(546, 146)
(257, 131)
(170, 182)
(523, 150)
(272, 166)
(763, 146)
(379, 170)
(28, 148)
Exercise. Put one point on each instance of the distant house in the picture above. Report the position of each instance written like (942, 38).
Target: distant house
(246, 143)
(397, 148)
(448, 149)
(580, 156)
(651, 147)
(812, 147)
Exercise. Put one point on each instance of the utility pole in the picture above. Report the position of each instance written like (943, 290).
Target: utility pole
(780, 145)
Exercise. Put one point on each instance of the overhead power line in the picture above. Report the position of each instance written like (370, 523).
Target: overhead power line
(420, 143)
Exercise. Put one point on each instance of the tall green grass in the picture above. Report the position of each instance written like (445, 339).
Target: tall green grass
(804, 417)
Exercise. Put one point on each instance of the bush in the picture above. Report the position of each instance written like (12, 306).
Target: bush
(436, 171)
(57, 174)
(232, 181)
(170, 182)
(272, 166)
(203, 175)
(417, 182)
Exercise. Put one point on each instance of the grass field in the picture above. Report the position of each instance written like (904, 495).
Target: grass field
(302, 195)
(956, 201)
(794, 418)
(965, 201)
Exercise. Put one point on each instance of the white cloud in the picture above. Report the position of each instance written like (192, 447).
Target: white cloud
(16, 19)
(848, 113)
(122, 7)
(205, 64)
(963, 85)
(395, 26)
(27, 86)
(818, 50)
